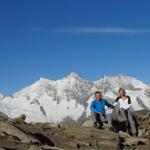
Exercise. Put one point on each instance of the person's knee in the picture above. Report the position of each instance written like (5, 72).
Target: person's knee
(130, 113)
(97, 114)
(122, 109)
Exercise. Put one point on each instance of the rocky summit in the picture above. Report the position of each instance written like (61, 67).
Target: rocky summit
(15, 134)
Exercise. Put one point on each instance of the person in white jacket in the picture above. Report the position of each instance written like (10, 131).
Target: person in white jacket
(124, 103)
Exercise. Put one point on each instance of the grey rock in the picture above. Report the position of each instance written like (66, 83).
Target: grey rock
(123, 135)
(135, 141)
(88, 123)
(12, 130)
(46, 147)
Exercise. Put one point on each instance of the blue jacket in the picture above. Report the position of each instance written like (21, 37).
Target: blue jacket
(99, 106)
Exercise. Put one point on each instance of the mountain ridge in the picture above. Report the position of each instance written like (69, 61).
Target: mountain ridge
(69, 98)
(74, 74)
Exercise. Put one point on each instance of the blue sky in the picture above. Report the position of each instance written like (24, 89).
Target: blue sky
(51, 38)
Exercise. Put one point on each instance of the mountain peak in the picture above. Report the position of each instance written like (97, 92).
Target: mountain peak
(74, 75)
(43, 79)
(120, 77)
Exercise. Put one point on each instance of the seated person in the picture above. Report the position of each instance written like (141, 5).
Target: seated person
(98, 107)
(124, 103)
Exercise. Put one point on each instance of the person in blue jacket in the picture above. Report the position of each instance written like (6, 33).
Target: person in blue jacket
(98, 107)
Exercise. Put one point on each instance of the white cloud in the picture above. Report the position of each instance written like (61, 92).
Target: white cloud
(99, 30)
(87, 30)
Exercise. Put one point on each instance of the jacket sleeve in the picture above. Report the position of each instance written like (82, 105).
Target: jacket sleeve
(116, 103)
(129, 100)
(92, 107)
(117, 99)
(108, 104)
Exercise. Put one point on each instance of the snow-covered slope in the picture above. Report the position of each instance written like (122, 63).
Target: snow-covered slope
(113, 83)
(69, 98)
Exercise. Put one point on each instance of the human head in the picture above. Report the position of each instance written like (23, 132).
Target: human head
(122, 92)
(98, 95)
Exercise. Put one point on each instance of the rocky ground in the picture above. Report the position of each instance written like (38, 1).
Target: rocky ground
(17, 135)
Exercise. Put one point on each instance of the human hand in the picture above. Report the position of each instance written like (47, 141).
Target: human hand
(101, 114)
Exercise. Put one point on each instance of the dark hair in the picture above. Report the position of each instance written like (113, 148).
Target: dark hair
(122, 89)
(98, 92)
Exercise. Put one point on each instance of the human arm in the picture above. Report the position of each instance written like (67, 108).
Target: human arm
(109, 105)
(92, 107)
(116, 103)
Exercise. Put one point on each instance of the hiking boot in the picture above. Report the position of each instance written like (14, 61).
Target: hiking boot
(111, 129)
(101, 127)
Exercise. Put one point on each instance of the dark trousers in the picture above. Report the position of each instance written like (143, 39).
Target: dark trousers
(98, 119)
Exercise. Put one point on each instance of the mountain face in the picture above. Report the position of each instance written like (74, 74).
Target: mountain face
(68, 99)
(147, 91)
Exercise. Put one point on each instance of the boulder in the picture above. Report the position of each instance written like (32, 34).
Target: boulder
(12, 130)
(123, 135)
(132, 141)
(88, 123)
(20, 119)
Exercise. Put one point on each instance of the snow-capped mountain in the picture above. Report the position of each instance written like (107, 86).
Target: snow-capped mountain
(69, 98)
